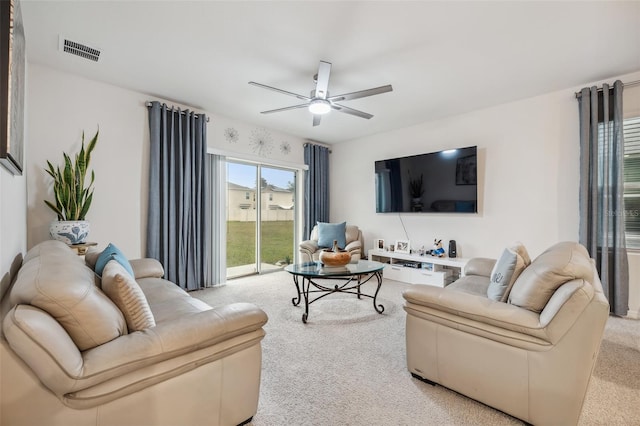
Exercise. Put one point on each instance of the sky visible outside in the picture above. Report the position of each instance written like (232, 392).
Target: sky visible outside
(245, 175)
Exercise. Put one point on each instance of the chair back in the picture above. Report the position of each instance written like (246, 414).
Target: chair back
(352, 233)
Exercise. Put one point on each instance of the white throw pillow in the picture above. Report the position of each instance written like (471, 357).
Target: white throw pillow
(506, 271)
(125, 292)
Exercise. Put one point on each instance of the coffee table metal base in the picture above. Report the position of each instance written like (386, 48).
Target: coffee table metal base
(308, 288)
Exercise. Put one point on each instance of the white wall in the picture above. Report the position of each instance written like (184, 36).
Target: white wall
(13, 235)
(62, 105)
(525, 178)
(528, 159)
(13, 225)
(13, 216)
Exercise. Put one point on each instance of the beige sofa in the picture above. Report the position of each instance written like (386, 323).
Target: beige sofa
(531, 356)
(68, 357)
(310, 251)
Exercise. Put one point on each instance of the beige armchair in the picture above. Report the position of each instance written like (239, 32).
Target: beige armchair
(530, 355)
(310, 251)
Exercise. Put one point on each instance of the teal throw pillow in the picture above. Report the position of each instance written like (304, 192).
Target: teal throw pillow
(327, 232)
(112, 253)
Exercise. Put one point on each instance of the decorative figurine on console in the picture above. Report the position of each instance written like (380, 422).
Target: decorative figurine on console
(437, 251)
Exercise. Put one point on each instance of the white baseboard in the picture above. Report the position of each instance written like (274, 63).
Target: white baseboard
(633, 314)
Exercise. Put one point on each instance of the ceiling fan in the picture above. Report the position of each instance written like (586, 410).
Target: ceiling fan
(319, 102)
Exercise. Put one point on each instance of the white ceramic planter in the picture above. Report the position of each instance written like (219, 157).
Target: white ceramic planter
(70, 231)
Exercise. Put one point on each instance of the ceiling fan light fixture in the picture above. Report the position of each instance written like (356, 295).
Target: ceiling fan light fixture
(319, 106)
(319, 102)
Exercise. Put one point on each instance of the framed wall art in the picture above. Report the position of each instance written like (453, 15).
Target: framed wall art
(12, 86)
(403, 246)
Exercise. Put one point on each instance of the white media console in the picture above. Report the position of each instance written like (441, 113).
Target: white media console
(416, 269)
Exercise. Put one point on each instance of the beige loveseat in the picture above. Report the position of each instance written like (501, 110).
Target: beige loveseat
(530, 356)
(310, 250)
(69, 358)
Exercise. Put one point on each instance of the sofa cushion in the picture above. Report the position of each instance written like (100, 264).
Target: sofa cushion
(560, 263)
(111, 252)
(91, 257)
(352, 235)
(480, 266)
(328, 232)
(55, 280)
(125, 292)
(169, 302)
(472, 284)
(506, 270)
(519, 248)
(46, 246)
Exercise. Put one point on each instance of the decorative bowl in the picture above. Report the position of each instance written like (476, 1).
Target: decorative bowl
(329, 257)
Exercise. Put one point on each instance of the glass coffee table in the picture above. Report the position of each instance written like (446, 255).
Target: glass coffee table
(353, 274)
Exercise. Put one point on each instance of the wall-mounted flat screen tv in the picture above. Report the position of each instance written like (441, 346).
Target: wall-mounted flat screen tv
(436, 182)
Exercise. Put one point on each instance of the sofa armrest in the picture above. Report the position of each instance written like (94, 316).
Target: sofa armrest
(487, 317)
(479, 266)
(63, 369)
(172, 338)
(355, 249)
(146, 268)
(309, 246)
(307, 249)
(354, 246)
(42, 343)
(483, 314)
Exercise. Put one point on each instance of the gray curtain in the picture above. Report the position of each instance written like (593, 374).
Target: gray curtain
(316, 197)
(602, 190)
(178, 194)
(216, 270)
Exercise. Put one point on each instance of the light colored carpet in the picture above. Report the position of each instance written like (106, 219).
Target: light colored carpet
(347, 365)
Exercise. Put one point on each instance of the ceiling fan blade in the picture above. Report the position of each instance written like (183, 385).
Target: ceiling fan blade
(351, 111)
(285, 108)
(322, 78)
(316, 120)
(284, 92)
(361, 93)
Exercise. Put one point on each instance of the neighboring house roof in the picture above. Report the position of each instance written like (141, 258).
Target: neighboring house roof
(268, 188)
(231, 185)
(273, 188)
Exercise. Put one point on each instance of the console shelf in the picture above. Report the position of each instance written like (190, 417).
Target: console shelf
(416, 269)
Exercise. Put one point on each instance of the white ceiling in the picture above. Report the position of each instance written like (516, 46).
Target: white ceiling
(442, 58)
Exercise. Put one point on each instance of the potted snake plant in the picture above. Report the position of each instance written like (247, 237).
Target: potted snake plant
(73, 194)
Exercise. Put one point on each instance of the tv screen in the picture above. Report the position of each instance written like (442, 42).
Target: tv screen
(436, 182)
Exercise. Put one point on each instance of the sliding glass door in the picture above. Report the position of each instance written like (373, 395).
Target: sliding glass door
(261, 216)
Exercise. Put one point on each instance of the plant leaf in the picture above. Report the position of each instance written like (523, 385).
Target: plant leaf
(71, 194)
(55, 209)
(85, 207)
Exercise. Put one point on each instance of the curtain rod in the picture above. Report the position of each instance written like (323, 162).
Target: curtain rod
(631, 83)
(148, 105)
(319, 144)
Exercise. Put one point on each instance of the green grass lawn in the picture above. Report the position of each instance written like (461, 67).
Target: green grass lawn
(277, 242)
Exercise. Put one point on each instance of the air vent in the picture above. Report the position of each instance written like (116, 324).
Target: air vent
(79, 49)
